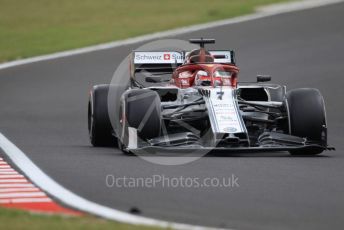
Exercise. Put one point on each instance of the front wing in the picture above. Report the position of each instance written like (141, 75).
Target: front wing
(189, 143)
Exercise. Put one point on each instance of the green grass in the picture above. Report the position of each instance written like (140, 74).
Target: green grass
(35, 27)
(14, 219)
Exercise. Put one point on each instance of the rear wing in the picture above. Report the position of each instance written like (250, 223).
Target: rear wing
(167, 61)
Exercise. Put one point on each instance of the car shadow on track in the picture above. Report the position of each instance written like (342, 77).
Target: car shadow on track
(115, 151)
(265, 154)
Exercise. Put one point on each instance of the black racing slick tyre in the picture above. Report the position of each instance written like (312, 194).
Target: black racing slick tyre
(99, 125)
(307, 118)
(141, 109)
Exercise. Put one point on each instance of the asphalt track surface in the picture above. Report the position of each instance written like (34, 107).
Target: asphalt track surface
(44, 107)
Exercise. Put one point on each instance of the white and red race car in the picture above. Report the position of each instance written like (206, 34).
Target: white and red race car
(183, 101)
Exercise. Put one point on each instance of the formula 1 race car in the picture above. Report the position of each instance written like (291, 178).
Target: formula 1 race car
(192, 100)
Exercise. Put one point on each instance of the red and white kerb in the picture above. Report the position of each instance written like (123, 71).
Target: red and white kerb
(18, 192)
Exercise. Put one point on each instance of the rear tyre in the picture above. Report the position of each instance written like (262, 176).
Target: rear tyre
(307, 118)
(141, 109)
(99, 125)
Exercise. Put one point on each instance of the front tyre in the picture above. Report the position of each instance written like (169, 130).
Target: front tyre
(307, 118)
(141, 110)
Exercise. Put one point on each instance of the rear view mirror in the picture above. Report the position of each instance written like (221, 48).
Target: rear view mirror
(263, 78)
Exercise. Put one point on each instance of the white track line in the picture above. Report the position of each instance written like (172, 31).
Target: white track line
(47, 184)
(260, 13)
